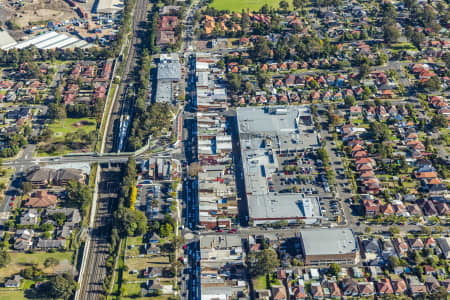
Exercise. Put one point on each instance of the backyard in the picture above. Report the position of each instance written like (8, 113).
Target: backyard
(21, 260)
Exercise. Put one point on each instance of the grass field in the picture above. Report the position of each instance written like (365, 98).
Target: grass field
(238, 5)
(62, 127)
(20, 260)
(8, 294)
(55, 145)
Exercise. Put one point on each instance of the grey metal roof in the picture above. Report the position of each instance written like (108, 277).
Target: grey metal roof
(330, 241)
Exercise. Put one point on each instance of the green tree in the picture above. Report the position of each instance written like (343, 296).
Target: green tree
(51, 261)
(61, 286)
(439, 121)
(263, 262)
(394, 261)
(78, 194)
(27, 187)
(350, 100)
(5, 258)
(391, 33)
(284, 5)
(334, 269)
(394, 230)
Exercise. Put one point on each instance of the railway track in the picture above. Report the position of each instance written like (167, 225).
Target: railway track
(128, 76)
(95, 274)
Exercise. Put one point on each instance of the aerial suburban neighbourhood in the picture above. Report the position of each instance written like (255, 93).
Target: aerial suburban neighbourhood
(224, 149)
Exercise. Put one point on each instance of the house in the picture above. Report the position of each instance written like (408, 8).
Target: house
(400, 246)
(14, 282)
(153, 285)
(366, 289)
(153, 249)
(335, 291)
(316, 290)
(45, 244)
(416, 244)
(371, 207)
(30, 217)
(24, 239)
(384, 287)
(73, 217)
(153, 272)
(279, 293)
(350, 287)
(398, 285)
(41, 199)
(444, 245)
(299, 292)
(432, 284)
(154, 239)
(415, 286)
(371, 248)
(430, 242)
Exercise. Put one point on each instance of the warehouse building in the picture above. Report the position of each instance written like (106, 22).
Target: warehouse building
(265, 133)
(168, 73)
(51, 40)
(322, 247)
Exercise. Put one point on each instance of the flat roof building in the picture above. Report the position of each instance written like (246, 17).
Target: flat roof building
(6, 40)
(169, 71)
(322, 247)
(265, 133)
(109, 6)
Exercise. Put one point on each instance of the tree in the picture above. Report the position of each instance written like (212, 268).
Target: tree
(194, 169)
(284, 5)
(334, 269)
(261, 50)
(394, 261)
(56, 111)
(364, 70)
(32, 272)
(425, 230)
(394, 230)
(368, 229)
(297, 4)
(439, 121)
(263, 262)
(350, 100)
(391, 33)
(51, 261)
(432, 84)
(5, 258)
(130, 222)
(27, 187)
(61, 286)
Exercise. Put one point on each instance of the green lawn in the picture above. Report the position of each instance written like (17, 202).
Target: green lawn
(260, 282)
(20, 260)
(8, 294)
(78, 128)
(238, 5)
(62, 127)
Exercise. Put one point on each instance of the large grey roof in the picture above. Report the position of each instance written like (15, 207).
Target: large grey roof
(330, 241)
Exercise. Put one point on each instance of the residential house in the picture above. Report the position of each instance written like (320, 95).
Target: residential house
(13, 282)
(399, 286)
(30, 217)
(384, 287)
(316, 290)
(41, 199)
(366, 289)
(45, 244)
(279, 293)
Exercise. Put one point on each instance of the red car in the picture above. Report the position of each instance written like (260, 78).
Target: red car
(184, 247)
(219, 230)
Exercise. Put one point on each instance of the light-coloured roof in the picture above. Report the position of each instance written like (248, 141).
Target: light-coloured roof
(330, 241)
(6, 40)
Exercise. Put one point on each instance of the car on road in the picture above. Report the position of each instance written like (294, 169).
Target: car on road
(219, 230)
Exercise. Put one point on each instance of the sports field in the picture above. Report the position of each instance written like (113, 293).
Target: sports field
(238, 5)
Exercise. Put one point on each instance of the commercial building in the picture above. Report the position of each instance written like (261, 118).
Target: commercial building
(222, 268)
(169, 72)
(266, 136)
(109, 7)
(322, 247)
(6, 40)
(50, 40)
